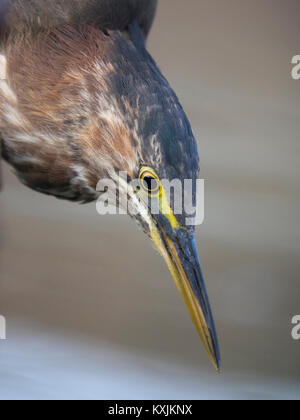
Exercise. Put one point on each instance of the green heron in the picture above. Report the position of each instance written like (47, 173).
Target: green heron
(81, 99)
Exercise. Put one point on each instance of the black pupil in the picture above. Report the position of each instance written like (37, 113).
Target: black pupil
(150, 183)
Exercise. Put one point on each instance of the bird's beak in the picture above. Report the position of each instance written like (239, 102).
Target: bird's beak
(178, 249)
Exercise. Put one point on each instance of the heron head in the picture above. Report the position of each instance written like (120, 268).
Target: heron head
(105, 109)
(159, 150)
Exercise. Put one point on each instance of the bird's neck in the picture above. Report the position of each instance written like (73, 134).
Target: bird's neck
(62, 121)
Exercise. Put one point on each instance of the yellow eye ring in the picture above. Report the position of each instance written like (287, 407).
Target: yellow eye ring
(150, 182)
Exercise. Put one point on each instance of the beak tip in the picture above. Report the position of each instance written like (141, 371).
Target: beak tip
(216, 363)
(218, 367)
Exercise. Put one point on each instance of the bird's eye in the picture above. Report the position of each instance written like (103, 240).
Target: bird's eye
(149, 181)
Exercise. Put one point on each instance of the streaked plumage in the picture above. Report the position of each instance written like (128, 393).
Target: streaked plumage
(81, 99)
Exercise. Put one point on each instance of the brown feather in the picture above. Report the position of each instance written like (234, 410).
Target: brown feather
(57, 122)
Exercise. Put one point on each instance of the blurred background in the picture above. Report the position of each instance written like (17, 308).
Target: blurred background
(93, 314)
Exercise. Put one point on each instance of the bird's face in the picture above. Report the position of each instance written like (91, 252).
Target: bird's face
(175, 242)
(116, 114)
(162, 150)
